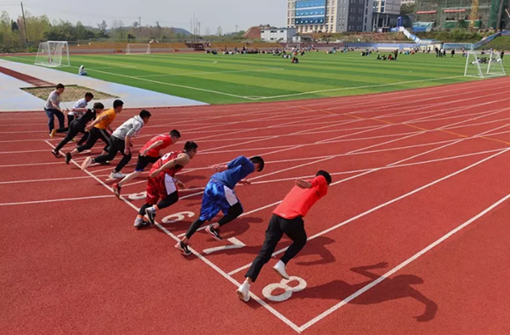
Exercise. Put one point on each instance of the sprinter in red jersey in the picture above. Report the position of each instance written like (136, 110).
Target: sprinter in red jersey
(148, 154)
(162, 183)
(287, 219)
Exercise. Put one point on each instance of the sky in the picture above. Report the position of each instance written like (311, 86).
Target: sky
(175, 13)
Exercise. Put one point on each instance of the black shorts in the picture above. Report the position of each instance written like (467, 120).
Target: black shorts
(143, 161)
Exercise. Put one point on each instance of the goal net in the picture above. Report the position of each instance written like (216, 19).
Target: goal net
(53, 54)
(484, 64)
(136, 49)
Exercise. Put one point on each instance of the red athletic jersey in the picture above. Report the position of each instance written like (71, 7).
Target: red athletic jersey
(165, 159)
(167, 140)
(299, 201)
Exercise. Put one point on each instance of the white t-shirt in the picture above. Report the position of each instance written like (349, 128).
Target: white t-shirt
(82, 103)
(53, 97)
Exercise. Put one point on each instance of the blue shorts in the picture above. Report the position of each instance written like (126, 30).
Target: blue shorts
(217, 197)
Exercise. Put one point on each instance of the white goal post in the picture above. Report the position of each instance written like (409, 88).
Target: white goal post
(53, 54)
(484, 64)
(138, 48)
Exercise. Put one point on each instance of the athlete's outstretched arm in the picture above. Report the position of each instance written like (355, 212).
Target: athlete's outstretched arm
(301, 183)
(220, 167)
(153, 146)
(182, 159)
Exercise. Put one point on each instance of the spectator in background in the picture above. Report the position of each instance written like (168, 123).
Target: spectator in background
(82, 71)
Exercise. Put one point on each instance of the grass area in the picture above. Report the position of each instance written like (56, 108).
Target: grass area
(72, 93)
(252, 78)
(500, 43)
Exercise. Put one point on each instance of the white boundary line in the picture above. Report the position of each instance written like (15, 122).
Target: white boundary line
(38, 180)
(266, 69)
(356, 87)
(55, 200)
(199, 256)
(386, 203)
(401, 265)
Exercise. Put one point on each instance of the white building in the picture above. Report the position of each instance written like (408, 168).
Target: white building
(331, 16)
(407, 2)
(387, 6)
(283, 35)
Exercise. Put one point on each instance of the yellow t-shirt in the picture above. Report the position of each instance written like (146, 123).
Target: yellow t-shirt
(106, 121)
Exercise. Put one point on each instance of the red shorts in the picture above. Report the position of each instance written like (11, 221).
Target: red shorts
(159, 188)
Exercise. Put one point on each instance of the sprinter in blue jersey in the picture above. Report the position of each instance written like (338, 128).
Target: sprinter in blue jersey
(219, 195)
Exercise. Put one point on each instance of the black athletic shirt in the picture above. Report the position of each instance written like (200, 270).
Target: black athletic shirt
(88, 116)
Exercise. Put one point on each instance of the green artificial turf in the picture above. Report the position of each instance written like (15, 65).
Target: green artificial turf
(223, 79)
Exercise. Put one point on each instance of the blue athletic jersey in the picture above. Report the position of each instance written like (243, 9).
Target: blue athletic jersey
(238, 169)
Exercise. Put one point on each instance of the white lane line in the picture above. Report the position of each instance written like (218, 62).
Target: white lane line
(402, 265)
(202, 258)
(55, 200)
(387, 203)
(356, 87)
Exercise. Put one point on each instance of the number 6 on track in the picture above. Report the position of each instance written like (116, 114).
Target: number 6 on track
(176, 217)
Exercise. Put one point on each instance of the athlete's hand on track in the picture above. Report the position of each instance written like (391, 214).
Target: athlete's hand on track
(144, 153)
(126, 151)
(155, 174)
(218, 168)
(303, 183)
(245, 182)
(180, 184)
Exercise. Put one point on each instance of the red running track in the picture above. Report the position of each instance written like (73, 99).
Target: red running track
(412, 238)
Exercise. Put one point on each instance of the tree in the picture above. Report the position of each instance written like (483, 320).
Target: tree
(118, 28)
(219, 31)
(14, 26)
(10, 39)
(407, 9)
(37, 26)
(102, 26)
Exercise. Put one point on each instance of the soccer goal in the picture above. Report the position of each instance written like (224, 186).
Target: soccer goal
(136, 49)
(53, 54)
(484, 65)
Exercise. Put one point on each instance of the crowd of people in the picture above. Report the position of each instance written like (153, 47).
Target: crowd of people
(162, 188)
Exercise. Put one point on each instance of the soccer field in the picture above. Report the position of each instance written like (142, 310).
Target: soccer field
(223, 79)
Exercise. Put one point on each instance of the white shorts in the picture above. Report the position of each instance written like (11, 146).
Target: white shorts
(170, 184)
(230, 195)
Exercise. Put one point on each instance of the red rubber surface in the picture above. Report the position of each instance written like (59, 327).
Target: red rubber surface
(408, 168)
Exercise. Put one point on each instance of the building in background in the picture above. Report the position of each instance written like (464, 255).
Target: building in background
(387, 6)
(281, 35)
(253, 33)
(407, 2)
(330, 16)
(384, 22)
(449, 14)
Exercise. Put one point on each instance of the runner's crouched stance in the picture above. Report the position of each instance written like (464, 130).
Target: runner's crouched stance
(162, 183)
(219, 195)
(287, 219)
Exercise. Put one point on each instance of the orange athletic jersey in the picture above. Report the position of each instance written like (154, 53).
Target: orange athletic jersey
(165, 159)
(103, 124)
(167, 140)
(299, 201)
